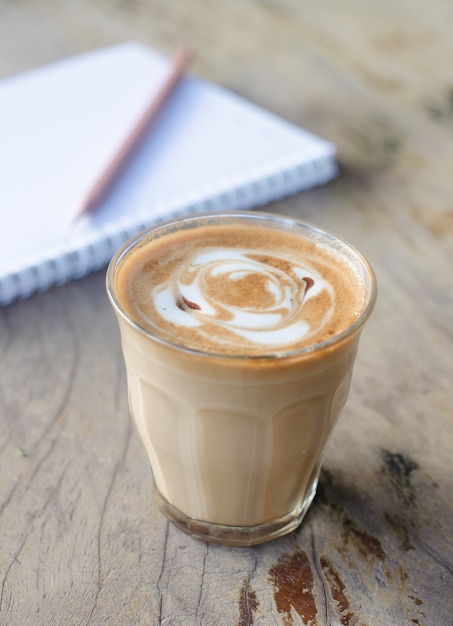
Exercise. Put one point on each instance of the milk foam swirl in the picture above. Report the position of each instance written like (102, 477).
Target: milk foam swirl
(244, 296)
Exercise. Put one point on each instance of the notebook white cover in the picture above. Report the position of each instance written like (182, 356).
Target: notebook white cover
(208, 150)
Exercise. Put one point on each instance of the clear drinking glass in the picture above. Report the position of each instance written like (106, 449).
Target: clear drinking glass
(235, 442)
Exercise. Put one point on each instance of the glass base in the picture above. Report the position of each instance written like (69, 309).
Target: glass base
(236, 535)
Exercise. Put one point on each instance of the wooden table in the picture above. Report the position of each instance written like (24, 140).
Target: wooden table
(81, 539)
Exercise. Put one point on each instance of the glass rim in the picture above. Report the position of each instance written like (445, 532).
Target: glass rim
(216, 217)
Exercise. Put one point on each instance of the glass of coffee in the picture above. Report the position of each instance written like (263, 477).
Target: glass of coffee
(239, 332)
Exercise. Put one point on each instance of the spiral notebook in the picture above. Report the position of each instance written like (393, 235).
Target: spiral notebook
(209, 150)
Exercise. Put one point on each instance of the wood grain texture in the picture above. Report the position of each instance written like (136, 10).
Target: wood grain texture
(81, 540)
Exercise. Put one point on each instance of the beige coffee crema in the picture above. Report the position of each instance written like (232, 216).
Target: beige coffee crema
(240, 289)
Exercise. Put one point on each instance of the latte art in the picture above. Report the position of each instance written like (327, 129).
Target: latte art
(240, 290)
(249, 295)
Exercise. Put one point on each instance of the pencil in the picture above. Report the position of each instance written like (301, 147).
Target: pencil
(118, 161)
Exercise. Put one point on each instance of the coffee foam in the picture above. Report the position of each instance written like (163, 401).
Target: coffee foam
(245, 290)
